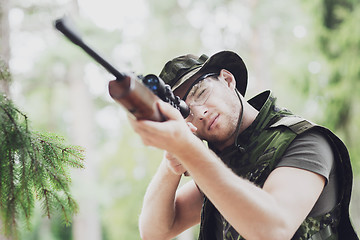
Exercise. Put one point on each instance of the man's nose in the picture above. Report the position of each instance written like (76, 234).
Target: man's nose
(199, 112)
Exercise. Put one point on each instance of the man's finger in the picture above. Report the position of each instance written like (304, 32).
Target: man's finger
(168, 111)
(192, 127)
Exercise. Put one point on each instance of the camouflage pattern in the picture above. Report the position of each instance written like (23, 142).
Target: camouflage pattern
(265, 142)
(180, 66)
(178, 69)
(311, 226)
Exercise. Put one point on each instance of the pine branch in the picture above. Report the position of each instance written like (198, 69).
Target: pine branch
(33, 166)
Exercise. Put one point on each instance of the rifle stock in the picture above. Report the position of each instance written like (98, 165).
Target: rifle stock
(127, 90)
(136, 98)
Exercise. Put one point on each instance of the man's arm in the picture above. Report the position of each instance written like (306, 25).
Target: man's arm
(167, 212)
(274, 212)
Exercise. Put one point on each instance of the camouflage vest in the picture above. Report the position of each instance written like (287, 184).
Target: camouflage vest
(262, 146)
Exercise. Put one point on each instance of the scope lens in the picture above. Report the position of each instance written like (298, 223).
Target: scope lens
(152, 83)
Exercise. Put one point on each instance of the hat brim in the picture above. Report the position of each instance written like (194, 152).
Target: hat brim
(222, 60)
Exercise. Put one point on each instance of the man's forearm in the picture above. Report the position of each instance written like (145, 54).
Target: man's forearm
(158, 212)
(244, 205)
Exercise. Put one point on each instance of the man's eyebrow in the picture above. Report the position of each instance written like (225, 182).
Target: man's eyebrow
(201, 79)
(195, 88)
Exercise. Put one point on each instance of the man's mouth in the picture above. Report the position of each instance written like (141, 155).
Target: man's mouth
(212, 121)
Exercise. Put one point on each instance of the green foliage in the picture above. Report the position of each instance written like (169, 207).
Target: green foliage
(33, 165)
(337, 35)
(4, 72)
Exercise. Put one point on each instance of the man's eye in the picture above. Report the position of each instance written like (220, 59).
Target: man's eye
(201, 93)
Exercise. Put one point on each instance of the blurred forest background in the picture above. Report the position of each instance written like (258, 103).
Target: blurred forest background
(306, 51)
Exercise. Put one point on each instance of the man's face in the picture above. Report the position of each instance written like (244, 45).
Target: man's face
(214, 110)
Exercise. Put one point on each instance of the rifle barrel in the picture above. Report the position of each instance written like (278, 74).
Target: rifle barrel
(64, 26)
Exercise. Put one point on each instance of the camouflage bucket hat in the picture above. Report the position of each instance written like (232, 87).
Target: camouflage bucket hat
(182, 72)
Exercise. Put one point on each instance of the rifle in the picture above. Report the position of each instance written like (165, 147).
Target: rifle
(136, 93)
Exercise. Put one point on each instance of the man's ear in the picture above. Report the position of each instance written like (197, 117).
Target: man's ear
(228, 77)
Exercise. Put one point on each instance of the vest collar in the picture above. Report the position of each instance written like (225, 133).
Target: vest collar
(262, 102)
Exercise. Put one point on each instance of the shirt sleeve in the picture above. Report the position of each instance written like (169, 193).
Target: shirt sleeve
(310, 151)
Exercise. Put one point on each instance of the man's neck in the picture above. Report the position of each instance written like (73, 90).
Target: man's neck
(250, 114)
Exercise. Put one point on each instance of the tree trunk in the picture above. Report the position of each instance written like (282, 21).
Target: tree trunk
(86, 224)
(4, 43)
(354, 204)
(4, 58)
(260, 64)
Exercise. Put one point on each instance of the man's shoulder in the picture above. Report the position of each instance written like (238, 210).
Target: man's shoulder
(296, 123)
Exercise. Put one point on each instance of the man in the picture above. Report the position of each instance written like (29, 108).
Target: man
(265, 174)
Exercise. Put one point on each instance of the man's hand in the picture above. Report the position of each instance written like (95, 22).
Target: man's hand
(173, 164)
(168, 135)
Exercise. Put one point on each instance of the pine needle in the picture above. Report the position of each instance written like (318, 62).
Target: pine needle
(33, 166)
